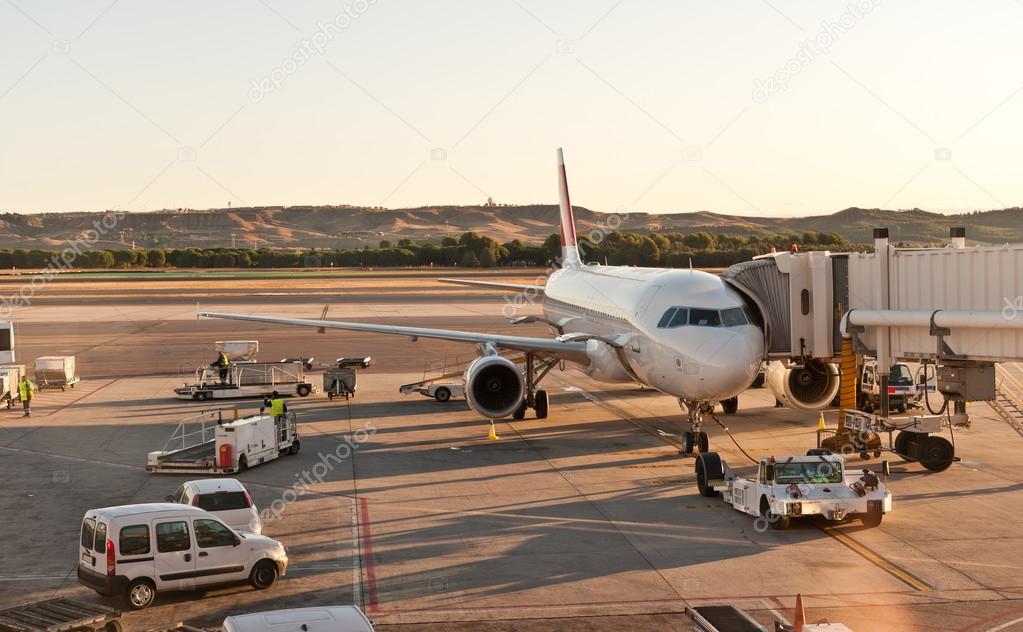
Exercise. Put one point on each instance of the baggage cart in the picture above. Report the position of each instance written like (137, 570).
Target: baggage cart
(55, 372)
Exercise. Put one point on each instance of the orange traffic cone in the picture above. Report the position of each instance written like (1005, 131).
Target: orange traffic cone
(492, 435)
(799, 617)
(820, 422)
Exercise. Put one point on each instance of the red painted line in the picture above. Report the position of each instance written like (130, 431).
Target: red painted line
(92, 392)
(701, 599)
(367, 552)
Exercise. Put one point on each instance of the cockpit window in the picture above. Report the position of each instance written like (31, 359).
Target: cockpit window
(679, 316)
(674, 317)
(704, 317)
(666, 318)
(733, 317)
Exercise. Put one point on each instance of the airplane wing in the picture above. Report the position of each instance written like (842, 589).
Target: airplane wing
(571, 350)
(535, 289)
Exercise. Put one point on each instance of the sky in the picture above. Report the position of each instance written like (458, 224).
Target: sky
(754, 107)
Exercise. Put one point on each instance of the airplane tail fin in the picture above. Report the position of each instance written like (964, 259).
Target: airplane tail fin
(569, 245)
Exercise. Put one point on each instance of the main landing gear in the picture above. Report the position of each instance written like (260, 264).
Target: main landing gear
(536, 399)
(695, 438)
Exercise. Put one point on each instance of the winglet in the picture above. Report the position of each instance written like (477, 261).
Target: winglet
(569, 245)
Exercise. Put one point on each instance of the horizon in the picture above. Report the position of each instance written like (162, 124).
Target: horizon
(780, 110)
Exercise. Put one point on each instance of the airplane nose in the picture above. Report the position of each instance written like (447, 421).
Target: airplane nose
(727, 364)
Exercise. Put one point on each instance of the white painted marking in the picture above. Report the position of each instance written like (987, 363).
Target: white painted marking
(356, 562)
(1006, 626)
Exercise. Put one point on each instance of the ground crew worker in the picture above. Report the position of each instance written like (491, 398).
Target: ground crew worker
(223, 364)
(26, 390)
(278, 408)
(277, 405)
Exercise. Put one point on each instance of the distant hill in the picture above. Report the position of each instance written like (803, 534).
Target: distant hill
(347, 227)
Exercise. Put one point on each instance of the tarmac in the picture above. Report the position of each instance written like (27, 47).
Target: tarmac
(588, 520)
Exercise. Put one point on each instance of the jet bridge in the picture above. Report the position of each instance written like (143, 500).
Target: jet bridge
(958, 308)
(931, 304)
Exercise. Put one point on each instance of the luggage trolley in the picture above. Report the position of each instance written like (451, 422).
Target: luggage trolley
(342, 380)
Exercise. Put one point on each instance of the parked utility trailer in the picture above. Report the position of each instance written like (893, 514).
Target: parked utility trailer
(209, 443)
(10, 375)
(440, 391)
(343, 379)
(248, 379)
(55, 372)
(59, 615)
(796, 487)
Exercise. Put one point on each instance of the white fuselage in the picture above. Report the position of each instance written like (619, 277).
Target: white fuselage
(710, 353)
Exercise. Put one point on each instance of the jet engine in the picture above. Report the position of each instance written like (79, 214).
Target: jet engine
(808, 386)
(494, 386)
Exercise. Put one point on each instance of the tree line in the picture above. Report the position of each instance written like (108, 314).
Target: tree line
(471, 250)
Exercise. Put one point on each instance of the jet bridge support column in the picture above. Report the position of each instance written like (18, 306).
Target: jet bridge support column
(882, 297)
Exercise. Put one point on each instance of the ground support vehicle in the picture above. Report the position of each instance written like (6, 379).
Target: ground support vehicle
(796, 487)
(210, 444)
(248, 379)
(137, 551)
(342, 379)
(917, 438)
(441, 391)
(902, 391)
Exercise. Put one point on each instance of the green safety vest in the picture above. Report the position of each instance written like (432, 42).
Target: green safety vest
(25, 389)
(276, 407)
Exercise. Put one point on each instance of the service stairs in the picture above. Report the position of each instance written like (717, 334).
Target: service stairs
(1008, 402)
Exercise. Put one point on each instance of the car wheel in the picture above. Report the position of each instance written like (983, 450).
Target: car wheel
(901, 441)
(303, 390)
(140, 593)
(243, 464)
(708, 467)
(758, 381)
(936, 454)
(294, 447)
(263, 575)
(542, 404)
(442, 394)
(113, 626)
(872, 519)
(200, 396)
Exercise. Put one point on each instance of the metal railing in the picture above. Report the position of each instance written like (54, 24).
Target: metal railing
(1008, 402)
(198, 429)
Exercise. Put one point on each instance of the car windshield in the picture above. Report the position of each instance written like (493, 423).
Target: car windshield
(223, 501)
(900, 375)
(818, 472)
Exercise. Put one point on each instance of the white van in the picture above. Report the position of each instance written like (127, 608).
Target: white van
(326, 619)
(137, 551)
(225, 498)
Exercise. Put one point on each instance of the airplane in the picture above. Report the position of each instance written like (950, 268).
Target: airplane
(685, 333)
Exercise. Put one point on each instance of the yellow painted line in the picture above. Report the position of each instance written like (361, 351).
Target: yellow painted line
(898, 572)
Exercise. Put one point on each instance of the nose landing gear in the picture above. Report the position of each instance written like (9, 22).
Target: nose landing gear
(694, 438)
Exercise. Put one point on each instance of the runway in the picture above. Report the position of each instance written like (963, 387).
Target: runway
(587, 520)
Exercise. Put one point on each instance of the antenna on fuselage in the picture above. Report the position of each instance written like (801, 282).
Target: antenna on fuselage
(690, 266)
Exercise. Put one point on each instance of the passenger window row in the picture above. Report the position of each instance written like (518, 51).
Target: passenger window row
(170, 536)
(679, 316)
